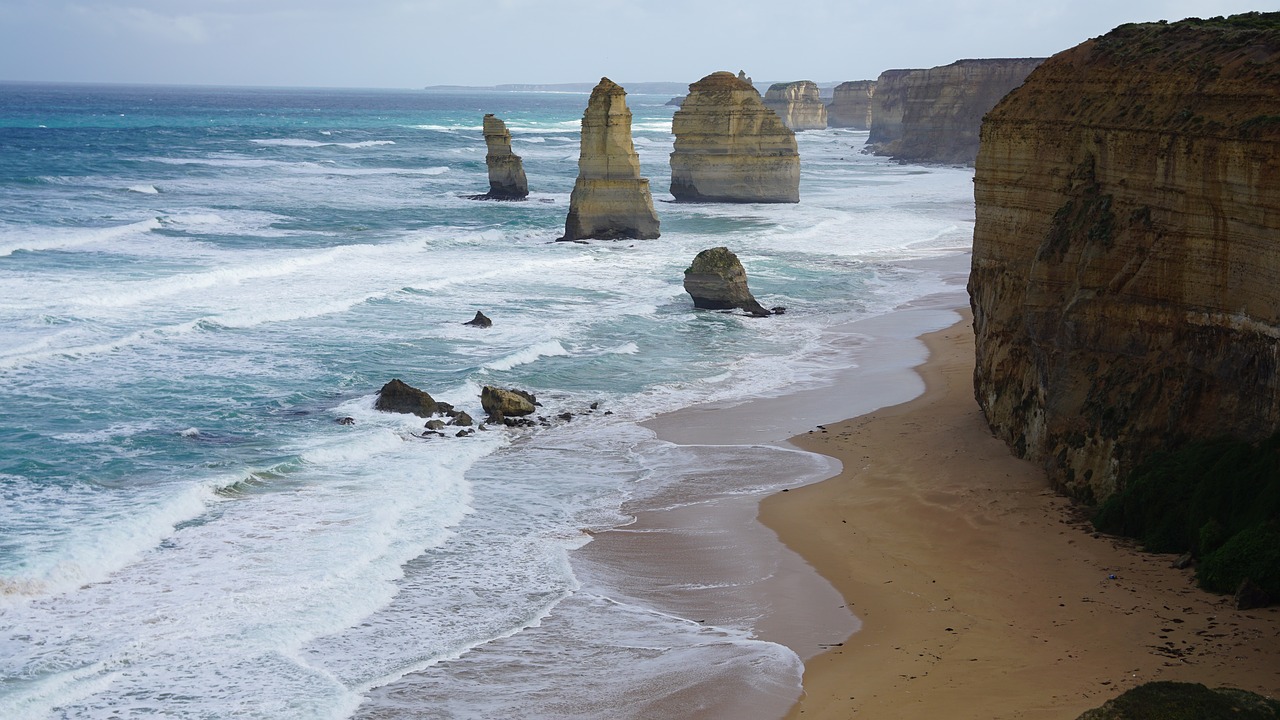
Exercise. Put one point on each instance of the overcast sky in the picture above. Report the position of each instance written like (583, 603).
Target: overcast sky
(412, 43)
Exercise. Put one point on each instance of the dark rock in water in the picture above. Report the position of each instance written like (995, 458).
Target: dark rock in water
(346, 421)
(465, 433)
(434, 425)
(595, 406)
(1250, 596)
(1166, 700)
(480, 320)
(502, 404)
(778, 310)
(462, 419)
(567, 416)
(717, 281)
(398, 397)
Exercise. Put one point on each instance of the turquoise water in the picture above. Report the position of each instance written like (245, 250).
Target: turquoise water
(196, 283)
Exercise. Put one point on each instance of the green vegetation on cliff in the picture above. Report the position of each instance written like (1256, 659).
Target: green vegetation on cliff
(1219, 499)
(1165, 700)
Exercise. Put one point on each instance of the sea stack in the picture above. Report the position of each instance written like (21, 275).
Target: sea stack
(799, 104)
(730, 147)
(933, 116)
(850, 105)
(506, 171)
(1126, 271)
(610, 201)
(716, 280)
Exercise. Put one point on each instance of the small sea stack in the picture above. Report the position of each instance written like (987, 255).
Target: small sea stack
(610, 201)
(850, 105)
(507, 180)
(798, 103)
(716, 280)
(730, 148)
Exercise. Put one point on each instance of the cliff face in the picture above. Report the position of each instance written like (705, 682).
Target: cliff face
(730, 147)
(934, 115)
(850, 105)
(610, 200)
(798, 104)
(1126, 261)
(506, 171)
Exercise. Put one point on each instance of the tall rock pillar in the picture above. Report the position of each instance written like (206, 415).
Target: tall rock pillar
(506, 171)
(610, 200)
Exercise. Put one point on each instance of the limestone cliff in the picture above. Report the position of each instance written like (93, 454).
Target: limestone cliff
(506, 171)
(610, 201)
(1126, 264)
(730, 147)
(933, 116)
(850, 105)
(799, 104)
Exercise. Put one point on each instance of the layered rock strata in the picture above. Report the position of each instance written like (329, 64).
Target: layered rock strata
(716, 280)
(1126, 270)
(506, 171)
(850, 105)
(730, 147)
(934, 115)
(799, 104)
(610, 201)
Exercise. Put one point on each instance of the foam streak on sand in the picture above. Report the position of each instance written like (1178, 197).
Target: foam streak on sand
(981, 592)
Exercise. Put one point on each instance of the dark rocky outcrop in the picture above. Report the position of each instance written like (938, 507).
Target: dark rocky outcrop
(717, 281)
(1164, 700)
(610, 201)
(1126, 272)
(398, 397)
(798, 103)
(850, 105)
(480, 320)
(934, 115)
(731, 148)
(507, 180)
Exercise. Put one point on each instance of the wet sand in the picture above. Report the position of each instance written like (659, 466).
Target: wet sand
(981, 592)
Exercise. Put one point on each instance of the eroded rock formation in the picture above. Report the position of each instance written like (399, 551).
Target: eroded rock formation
(716, 280)
(799, 104)
(1126, 264)
(499, 403)
(610, 201)
(933, 116)
(730, 147)
(506, 171)
(400, 397)
(850, 105)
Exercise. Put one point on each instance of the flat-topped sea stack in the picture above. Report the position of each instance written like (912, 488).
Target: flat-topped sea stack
(730, 147)
(1126, 257)
(506, 171)
(934, 115)
(850, 105)
(799, 104)
(610, 201)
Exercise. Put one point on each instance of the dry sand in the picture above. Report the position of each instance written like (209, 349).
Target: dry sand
(982, 593)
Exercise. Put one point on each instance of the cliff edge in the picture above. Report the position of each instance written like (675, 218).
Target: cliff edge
(934, 115)
(1126, 261)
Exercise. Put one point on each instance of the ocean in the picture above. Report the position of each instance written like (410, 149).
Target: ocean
(196, 284)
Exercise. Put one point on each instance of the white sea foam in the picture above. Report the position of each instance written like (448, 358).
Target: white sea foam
(144, 189)
(303, 142)
(550, 348)
(51, 238)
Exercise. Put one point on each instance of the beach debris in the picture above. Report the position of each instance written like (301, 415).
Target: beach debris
(716, 280)
(1250, 596)
(480, 320)
(1184, 561)
(399, 397)
(500, 404)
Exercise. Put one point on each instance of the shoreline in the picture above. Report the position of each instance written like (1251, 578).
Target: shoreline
(982, 592)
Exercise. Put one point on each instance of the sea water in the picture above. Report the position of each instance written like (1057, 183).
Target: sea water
(196, 284)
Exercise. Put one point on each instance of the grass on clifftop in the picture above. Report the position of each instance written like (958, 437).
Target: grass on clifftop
(1219, 499)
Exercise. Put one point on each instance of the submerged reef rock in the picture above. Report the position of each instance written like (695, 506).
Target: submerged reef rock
(499, 403)
(799, 104)
(398, 397)
(1164, 700)
(730, 147)
(934, 115)
(610, 201)
(1126, 271)
(480, 320)
(850, 105)
(506, 171)
(717, 281)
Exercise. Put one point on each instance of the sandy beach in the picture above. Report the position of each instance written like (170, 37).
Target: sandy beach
(981, 592)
